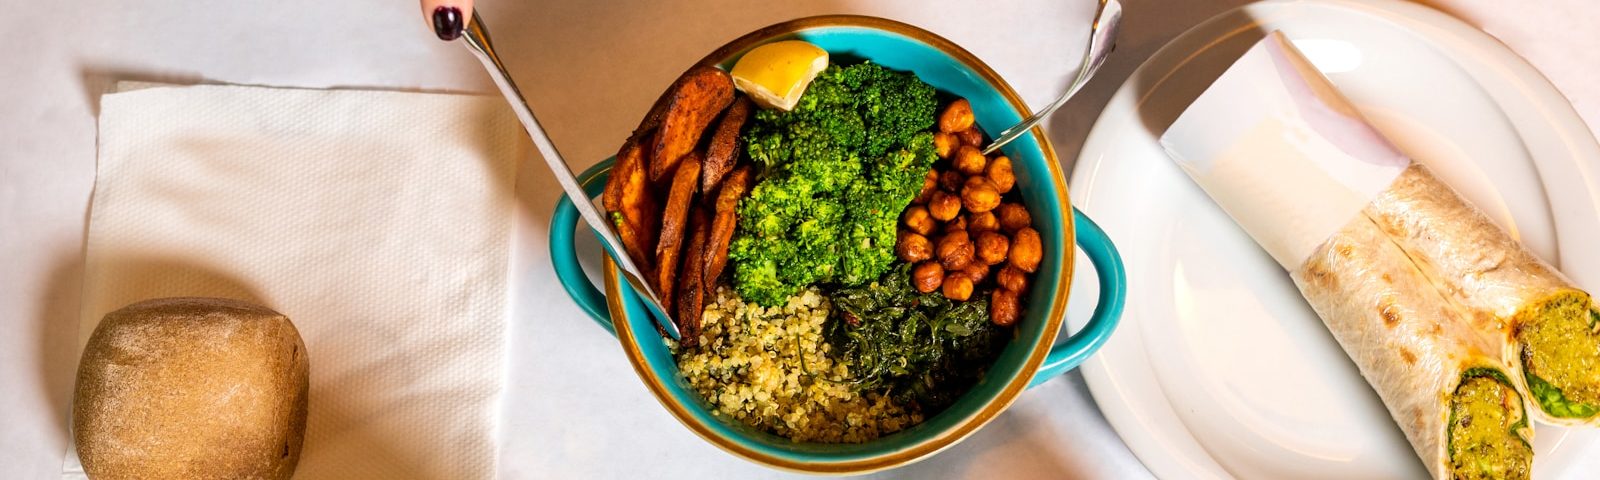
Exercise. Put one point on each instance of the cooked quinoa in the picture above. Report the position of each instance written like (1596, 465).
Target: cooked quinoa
(770, 368)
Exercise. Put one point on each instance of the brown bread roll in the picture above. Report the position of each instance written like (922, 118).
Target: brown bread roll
(191, 388)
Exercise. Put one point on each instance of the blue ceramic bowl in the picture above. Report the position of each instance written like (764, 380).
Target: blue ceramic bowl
(1030, 358)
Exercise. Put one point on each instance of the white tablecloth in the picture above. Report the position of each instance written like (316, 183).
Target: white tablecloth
(573, 407)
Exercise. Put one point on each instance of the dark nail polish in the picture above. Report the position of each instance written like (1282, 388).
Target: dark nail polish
(447, 23)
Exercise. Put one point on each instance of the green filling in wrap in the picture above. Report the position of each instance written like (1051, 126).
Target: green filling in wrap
(1552, 401)
(1485, 432)
(1561, 356)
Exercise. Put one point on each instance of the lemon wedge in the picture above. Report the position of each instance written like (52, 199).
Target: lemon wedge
(776, 74)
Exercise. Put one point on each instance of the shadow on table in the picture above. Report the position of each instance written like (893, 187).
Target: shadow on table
(57, 313)
(98, 81)
(1045, 435)
(1147, 25)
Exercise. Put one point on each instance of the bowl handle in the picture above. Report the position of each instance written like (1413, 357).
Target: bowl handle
(564, 255)
(1113, 293)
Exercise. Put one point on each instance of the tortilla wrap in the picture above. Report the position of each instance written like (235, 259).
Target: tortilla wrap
(1544, 323)
(1414, 346)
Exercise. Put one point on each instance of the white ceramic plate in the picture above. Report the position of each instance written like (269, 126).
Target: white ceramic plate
(1220, 369)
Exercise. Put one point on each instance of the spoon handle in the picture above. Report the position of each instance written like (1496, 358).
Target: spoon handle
(1102, 37)
(477, 38)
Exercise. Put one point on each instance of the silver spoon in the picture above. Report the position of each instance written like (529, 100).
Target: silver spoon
(1102, 37)
(477, 38)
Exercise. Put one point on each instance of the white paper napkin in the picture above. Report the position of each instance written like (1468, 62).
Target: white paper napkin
(379, 222)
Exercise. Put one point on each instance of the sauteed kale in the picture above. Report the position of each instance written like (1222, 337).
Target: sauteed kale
(921, 347)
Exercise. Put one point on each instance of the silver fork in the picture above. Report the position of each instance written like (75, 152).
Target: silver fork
(1102, 38)
(477, 38)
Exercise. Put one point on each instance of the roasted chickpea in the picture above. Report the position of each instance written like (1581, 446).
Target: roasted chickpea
(956, 117)
(1004, 307)
(927, 276)
(930, 184)
(982, 222)
(959, 224)
(1010, 278)
(969, 161)
(951, 181)
(955, 250)
(944, 144)
(974, 180)
(1000, 173)
(979, 196)
(912, 247)
(957, 287)
(1027, 249)
(916, 219)
(976, 271)
(943, 206)
(1013, 217)
(971, 137)
(992, 248)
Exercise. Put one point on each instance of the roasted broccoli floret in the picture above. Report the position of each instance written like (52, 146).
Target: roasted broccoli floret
(838, 170)
(875, 204)
(895, 107)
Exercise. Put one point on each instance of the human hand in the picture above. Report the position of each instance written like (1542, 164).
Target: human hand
(447, 16)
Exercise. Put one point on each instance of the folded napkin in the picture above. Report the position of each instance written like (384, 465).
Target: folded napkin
(379, 222)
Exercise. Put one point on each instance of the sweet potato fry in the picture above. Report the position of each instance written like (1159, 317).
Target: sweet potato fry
(723, 151)
(652, 118)
(673, 217)
(634, 242)
(722, 225)
(630, 202)
(695, 100)
(627, 159)
(690, 289)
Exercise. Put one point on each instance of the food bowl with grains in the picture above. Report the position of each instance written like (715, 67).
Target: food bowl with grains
(857, 286)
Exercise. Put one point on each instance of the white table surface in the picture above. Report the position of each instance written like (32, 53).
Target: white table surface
(572, 407)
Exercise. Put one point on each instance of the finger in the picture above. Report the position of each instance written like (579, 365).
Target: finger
(448, 17)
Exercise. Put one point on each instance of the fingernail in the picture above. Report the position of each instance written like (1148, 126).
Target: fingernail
(447, 23)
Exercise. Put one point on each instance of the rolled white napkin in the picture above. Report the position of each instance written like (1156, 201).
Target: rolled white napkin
(379, 222)
(1282, 151)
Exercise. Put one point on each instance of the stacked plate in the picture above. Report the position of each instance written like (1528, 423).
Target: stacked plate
(1221, 369)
